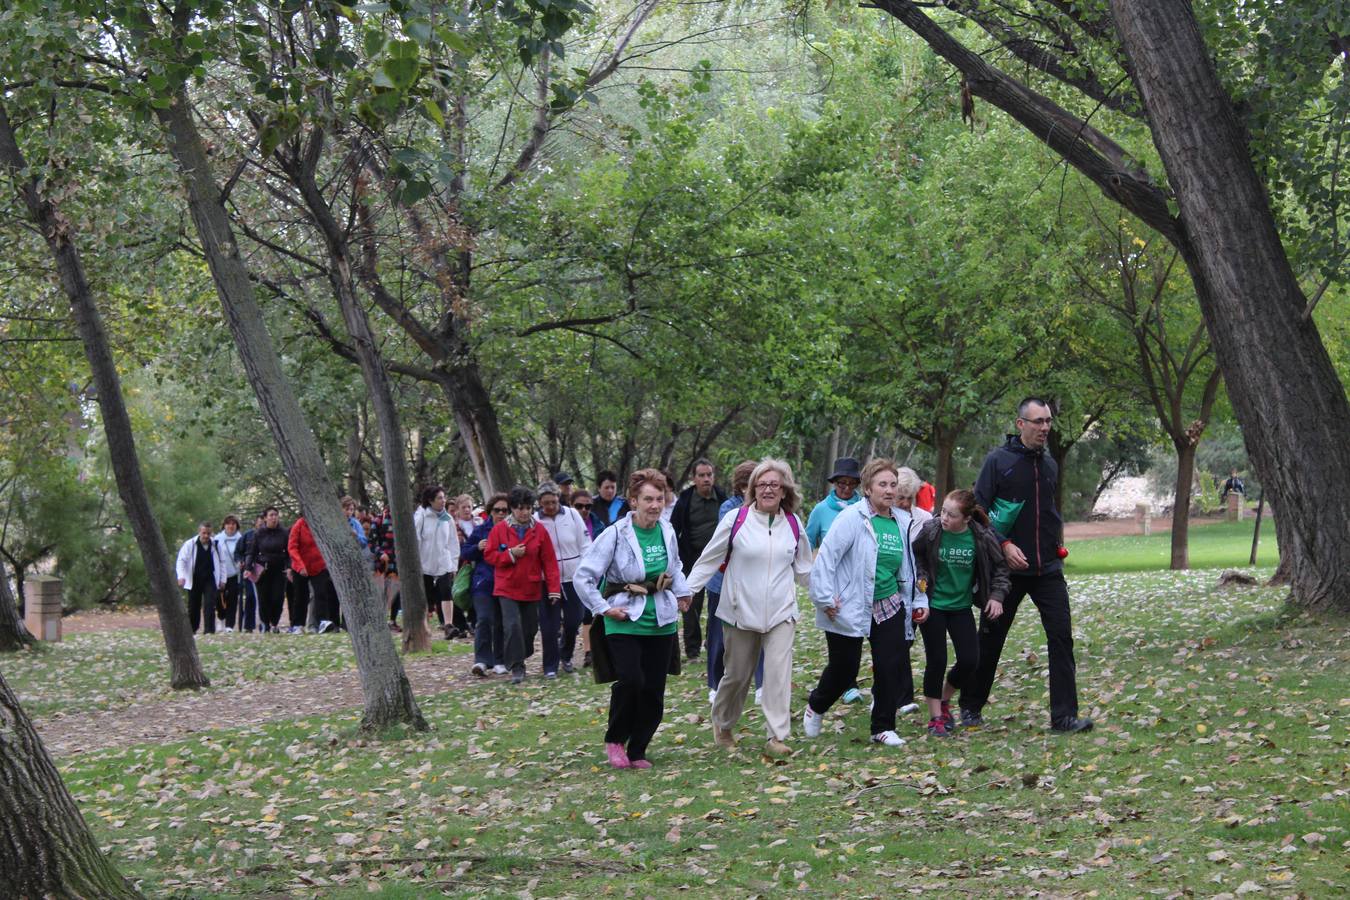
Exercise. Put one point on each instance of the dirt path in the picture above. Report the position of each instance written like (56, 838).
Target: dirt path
(239, 707)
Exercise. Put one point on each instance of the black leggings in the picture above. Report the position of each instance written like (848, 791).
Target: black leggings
(271, 589)
(841, 670)
(637, 701)
(960, 624)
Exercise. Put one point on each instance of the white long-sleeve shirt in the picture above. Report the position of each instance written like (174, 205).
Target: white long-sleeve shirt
(570, 537)
(766, 565)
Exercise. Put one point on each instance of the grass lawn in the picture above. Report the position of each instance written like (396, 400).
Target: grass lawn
(1223, 545)
(1219, 765)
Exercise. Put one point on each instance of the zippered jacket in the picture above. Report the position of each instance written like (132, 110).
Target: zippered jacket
(616, 558)
(991, 572)
(187, 559)
(523, 579)
(304, 551)
(759, 591)
(1017, 485)
(846, 570)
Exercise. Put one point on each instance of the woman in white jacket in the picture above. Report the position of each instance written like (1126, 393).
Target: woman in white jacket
(763, 549)
(438, 546)
(638, 558)
(863, 587)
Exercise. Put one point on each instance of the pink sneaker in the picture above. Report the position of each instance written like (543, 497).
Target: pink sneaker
(618, 756)
(640, 764)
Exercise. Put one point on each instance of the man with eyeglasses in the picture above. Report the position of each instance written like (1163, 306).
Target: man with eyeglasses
(1017, 487)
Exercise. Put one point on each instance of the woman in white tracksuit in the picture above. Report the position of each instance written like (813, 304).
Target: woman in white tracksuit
(438, 547)
(863, 587)
(764, 560)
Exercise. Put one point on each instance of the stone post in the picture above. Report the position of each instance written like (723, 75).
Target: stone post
(1233, 510)
(42, 607)
(1142, 514)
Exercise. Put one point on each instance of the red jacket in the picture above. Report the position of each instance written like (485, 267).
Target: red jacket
(304, 553)
(522, 579)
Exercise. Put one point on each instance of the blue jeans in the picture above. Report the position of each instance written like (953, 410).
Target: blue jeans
(565, 616)
(715, 648)
(487, 634)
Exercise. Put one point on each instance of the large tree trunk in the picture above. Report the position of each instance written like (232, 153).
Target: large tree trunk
(387, 693)
(14, 635)
(477, 421)
(46, 847)
(944, 444)
(1181, 506)
(398, 490)
(1288, 398)
(185, 667)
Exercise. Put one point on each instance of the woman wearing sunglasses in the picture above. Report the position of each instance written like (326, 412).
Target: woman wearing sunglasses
(487, 634)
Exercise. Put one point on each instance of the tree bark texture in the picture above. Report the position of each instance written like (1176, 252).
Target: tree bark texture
(398, 489)
(14, 635)
(387, 693)
(1181, 506)
(46, 847)
(185, 666)
(1283, 387)
(944, 442)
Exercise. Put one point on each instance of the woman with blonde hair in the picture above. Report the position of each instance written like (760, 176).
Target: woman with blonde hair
(863, 586)
(763, 551)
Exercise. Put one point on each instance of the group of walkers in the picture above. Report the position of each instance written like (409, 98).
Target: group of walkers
(623, 573)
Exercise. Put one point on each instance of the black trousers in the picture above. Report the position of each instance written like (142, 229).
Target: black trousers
(693, 629)
(271, 589)
(229, 601)
(297, 600)
(960, 624)
(435, 591)
(637, 700)
(1051, 596)
(325, 598)
(520, 626)
(841, 671)
(201, 598)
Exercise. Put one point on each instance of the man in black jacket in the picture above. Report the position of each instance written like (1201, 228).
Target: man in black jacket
(1017, 487)
(694, 519)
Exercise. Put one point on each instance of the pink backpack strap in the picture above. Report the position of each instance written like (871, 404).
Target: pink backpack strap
(735, 527)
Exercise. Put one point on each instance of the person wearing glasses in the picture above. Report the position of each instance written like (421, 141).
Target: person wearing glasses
(487, 634)
(1017, 486)
(637, 559)
(525, 569)
(763, 561)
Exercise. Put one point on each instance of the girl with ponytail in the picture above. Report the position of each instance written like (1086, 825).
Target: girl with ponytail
(960, 564)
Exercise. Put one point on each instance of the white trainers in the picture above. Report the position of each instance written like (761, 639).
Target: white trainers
(908, 708)
(759, 696)
(889, 738)
(324, 625)
(479, 669)
(712, 696)
(499, 670)
(812, 722)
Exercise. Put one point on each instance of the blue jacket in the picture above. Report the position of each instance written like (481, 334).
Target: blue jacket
(483, 576)
(846, 569)
(824, 513)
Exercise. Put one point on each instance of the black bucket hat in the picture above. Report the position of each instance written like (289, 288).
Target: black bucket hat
(846, 467)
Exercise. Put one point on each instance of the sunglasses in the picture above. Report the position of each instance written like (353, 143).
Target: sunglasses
(500, 510)
(583, 505)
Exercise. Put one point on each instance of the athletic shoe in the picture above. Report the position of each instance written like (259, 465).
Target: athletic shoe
(947, 718)
(553, 675)
(852, 695)
(889, 738)
(938, 728)
(908, 708)
(324, 625)
(970, 718)
(227, 630)
(759, 696)
(499, 670)
(812, 722)
(776, 748)
(568, 667)
(395, 628)
(1071, 725)
(639, 764)
(712, 696)
(479, 669)
(296, 629)
(518, 676)
(618, 756)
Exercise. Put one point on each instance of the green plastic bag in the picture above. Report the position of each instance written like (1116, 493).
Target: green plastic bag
(460, 591)
(1003, 515)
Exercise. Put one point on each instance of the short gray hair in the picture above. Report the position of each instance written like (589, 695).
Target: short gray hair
(907, 482)
(547, 487)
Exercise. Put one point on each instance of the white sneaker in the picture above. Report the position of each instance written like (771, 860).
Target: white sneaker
(812, 722)
(908, 708)
(479, 669)
(499, 670)
(227, 630)
(889, 738)
(296, 629)
(324, 625)
(712, 696)
(759, 696)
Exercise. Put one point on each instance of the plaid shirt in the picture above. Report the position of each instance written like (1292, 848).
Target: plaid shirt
(886, 607)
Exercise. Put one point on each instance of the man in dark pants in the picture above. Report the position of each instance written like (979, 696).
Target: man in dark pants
(694, 519)
(201, 575)
(1017, 487)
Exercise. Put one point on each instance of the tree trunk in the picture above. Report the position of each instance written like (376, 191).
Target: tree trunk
(944, 444)
(356, 476)
(1291, 404)
(14, 635)
(46, 847)
(185, 667)
(398, 489)
(477, 420)
(1181, 506)
(387, 693)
